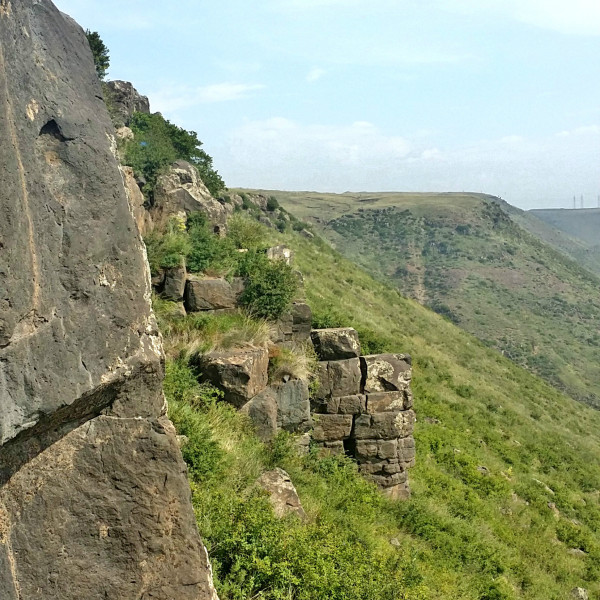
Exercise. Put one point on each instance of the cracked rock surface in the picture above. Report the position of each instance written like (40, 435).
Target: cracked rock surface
(94, 502)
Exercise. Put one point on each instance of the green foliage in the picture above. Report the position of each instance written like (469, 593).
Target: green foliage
(167, 250)
(271, 287)
(157, 143)
(272, 204)
(99, 52)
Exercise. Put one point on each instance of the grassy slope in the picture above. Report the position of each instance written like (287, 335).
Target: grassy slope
(495, 446)
(477, 409)
(492, 277)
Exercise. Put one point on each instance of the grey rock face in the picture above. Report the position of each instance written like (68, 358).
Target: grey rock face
(93, 497)
(336, 344)
(282, 493)
(294, 326)
(126, 100)
(293, 406)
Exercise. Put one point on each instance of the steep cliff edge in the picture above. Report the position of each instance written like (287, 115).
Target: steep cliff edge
(94, 502)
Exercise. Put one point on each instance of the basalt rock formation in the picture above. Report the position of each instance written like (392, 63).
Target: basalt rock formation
(94, 501)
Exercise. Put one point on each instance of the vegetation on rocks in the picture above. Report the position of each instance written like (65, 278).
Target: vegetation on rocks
(506, 491)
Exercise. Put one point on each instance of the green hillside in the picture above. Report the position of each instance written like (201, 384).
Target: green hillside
(506, 491)
(582, 224)
(469, 259)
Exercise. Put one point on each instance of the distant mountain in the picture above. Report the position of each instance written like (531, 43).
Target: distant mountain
(500, 273)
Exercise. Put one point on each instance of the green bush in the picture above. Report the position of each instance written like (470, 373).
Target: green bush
(271, 287)
(157, 143)
(272, 204)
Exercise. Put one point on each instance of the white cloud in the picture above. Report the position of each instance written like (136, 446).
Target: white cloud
(315, 74)
(173, 98)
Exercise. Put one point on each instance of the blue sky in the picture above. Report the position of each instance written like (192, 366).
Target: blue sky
(497, 96)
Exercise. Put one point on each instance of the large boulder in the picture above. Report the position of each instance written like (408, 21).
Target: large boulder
(241, 374)
(212, 293)
(94, 501)
(282, 493)
(336, 344)
(262, 411)
(125, 100)
(293, 406)
(181, 190)
(173, 284)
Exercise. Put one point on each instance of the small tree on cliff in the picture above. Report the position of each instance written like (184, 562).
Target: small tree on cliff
(100, 52)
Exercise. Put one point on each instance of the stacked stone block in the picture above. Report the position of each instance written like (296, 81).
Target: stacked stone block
(364, 408)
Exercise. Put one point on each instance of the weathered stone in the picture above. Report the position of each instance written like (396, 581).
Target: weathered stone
(94, 501)
(366, 449)
(181, 190)
(386, 426)
(281, 252)
(346, 405)
(262, 411)
(125, 100)
(137, 202)
(338, 378)
(174, 283)
(293, 326)
(301, 321)
(579, 593)
(387, 449)
(293, 406)
(336, 344)
(240, 374)
(386, 372)
(106, 512)
(211, 293)
(282, 493)
(330, 428)
(388, 401)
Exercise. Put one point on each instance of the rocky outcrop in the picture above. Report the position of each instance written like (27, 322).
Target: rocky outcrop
(125, 100)
(240, 374)
(94, 501)
(180, 191)
(363, 407)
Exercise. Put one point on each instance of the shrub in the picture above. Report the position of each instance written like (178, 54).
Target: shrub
(272, 204)
(271, 286)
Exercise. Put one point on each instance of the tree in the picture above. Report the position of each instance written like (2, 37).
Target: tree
(100, 53)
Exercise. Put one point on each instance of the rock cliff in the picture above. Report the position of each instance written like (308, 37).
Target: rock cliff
(94, 501)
